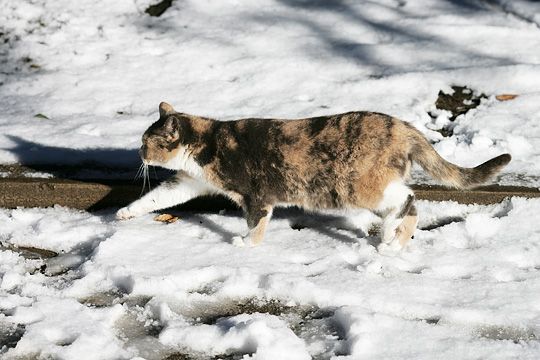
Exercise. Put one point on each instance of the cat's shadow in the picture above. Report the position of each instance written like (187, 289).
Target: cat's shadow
(333, 226)
(105, 166)
(38, 157)
(199, 220)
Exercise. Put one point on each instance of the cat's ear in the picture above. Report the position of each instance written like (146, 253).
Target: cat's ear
(171, 128)
(165, 109)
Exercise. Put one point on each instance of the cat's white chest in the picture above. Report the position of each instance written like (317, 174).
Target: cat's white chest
(185, 161)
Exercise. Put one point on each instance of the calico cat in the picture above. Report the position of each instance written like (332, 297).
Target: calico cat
(346, 161)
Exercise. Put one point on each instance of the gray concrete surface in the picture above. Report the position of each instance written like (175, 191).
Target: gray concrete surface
(99, 194)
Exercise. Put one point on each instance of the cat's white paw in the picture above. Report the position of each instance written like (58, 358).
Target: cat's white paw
(243, 241)
(238, 241)
(391, 248)
(389, 235)
(124, 214)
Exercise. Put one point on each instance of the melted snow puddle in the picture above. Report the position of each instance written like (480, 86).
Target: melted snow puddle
(142, 331)
(10, 334)
(515, 334)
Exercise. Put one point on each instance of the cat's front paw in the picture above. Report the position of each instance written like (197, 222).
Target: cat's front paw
(124, 214)
(243, 241)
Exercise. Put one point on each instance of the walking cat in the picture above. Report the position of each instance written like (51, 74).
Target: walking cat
(346, 161)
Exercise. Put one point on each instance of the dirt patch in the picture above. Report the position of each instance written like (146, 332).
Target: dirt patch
(514, 334)
(159, 8)
(210, 315)
(101, 299)
(178, 356)
(28, 252)
(181, 356)
(459, 102)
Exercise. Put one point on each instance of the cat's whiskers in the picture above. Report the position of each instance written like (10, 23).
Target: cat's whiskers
(139, 172)
(146, 178)
(144, 181)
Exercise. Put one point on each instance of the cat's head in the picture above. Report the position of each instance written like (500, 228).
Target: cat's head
(161, 142)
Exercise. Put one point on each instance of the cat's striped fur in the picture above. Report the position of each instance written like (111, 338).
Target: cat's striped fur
(346, 161)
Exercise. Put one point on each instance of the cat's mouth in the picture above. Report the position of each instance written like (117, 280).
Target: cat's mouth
(147, 163)
(156, 161)
(166, 165)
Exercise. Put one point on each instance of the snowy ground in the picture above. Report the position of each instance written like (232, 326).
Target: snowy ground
(466, 288)
(97, 70)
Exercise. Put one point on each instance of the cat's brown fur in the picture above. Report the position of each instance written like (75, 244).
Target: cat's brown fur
(329, 162)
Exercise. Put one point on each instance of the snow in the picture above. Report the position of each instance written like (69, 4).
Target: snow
(265, 336)
(467, 286)
(74, 332)
(98, 71)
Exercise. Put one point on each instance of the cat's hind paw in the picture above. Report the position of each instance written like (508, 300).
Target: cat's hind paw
(243, 241)
(124, 214)
(393, 248)
(238, 241)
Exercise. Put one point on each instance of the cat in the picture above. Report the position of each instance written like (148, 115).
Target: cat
(346, 161)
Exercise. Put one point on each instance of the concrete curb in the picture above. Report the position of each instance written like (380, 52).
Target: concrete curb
(99, 194)
(482, 195)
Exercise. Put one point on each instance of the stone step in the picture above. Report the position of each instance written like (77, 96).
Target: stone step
(99, 194)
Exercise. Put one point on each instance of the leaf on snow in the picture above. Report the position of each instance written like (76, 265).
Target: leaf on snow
(41, 116)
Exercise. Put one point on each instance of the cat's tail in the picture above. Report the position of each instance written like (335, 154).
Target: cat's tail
(450, 174)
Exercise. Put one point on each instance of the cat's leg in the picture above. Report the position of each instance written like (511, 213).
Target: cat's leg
(406, 229)
(395, 206)
(178, 190)
(257, 218)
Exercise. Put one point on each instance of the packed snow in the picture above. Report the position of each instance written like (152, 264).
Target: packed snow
(467, 286)
(79, 83)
